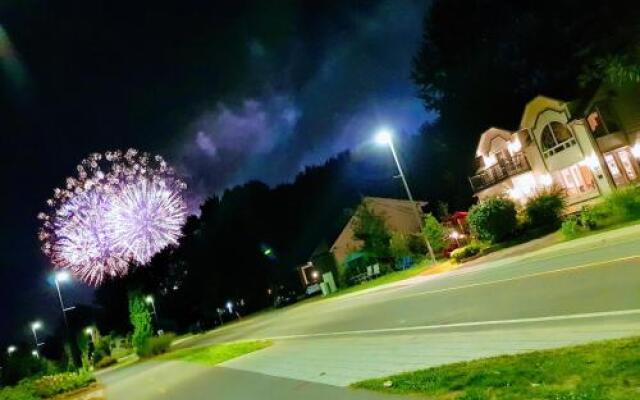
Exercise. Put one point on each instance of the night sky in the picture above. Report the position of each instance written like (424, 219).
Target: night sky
(227, 90)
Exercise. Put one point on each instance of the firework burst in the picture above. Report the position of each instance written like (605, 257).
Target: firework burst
(120, 208)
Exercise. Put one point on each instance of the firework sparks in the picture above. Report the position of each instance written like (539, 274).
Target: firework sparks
(120, 208)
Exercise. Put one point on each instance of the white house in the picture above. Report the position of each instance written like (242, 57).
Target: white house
(587, 148)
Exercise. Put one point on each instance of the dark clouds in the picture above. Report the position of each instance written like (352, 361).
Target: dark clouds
(355, 78)
(227, 90)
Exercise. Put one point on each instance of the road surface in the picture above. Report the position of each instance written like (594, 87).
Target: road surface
(570, 293)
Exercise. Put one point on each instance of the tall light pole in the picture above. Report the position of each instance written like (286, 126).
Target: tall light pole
(149, 300)
(385, 137)
(62, 276)
(34, 327)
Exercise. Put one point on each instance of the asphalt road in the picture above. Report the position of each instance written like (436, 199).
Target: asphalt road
(571, 293)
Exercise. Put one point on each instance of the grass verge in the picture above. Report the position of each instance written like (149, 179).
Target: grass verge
(216, 354)
(601, 370)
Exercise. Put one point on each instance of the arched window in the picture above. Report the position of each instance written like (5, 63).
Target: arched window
(554, 134)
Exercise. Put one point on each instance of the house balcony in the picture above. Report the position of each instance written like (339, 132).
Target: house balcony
(506, 167)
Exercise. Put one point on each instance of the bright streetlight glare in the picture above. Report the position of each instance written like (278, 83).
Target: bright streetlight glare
(36, 325)
(11, 349)
(34, 353)
(62, 276)
(148, 299)
(384, 136)
(88, 331)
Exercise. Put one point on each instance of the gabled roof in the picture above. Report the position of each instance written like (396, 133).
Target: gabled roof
(537, 105)
(484, 145)
(399, 216)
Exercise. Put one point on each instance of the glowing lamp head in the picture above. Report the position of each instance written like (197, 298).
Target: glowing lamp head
(148, 299)
(454, 235)
(34, 353)
(315, 274)
(635, 150)
(384, 136)
(62, 276)
(36, 325)
(229, 306)
(11, 349)
(88, 331)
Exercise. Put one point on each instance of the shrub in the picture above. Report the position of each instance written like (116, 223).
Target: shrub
(544, 210)
(140, 317)
(467, 251)
(17, 393)
(399, 245)
(23, 365)
(51, 385)
(570, 227)
(102, 349)
(105, 362)
(588, 218)
(624, 203)
(372, 230)
(433, 231)
(156, 345)
(493, 220)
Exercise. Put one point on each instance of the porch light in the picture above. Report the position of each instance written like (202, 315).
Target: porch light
(514, 146)
(489, 160)
(592, 162)
(546, 180)
(635, 150)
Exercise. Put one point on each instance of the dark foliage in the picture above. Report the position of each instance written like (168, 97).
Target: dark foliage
(493, 220)
(544, 210)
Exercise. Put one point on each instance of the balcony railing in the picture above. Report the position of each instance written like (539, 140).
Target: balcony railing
(503, 169)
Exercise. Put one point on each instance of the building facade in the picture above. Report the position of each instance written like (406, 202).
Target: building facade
(586, 148)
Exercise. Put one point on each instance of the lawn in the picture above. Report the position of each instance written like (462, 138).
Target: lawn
(216, 354)
(602, 370)
(423, 268)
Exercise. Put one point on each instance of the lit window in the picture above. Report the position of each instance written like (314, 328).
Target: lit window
(555, 137)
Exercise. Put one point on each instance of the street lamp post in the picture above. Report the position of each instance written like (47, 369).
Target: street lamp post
(11, 350)
(149, 300)
(62, 276)
(384, 136)
(34, 327)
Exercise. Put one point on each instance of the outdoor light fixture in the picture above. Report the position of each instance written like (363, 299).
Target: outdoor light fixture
(592, 162)
(635, 150)
(11, 349)
(489, 160)
(148, 299)
(62, 276)
(36, 325)
(89, 331)
(229, 306)
(35, 353)
(315, 274)
(384, 136)
(546, 180)
(514, 146)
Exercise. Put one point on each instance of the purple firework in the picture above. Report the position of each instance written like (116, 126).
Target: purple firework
(120, 208)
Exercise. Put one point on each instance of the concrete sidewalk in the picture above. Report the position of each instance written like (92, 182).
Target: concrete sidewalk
(177, 380)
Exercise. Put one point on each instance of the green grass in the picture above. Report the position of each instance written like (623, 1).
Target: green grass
(590, 232)
(218, 353)
(601, 370)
